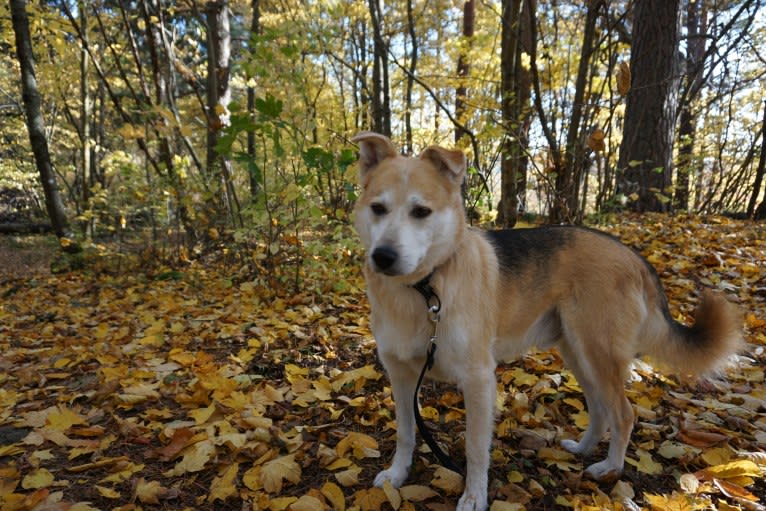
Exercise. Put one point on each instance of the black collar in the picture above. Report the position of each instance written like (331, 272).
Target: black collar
(423, 286)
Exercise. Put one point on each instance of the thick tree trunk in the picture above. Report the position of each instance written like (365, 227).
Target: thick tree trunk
(646, 151)
(35, 125)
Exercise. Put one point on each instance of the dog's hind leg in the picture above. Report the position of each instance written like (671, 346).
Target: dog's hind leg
(597, 412)
(403, 383)
(601, 370)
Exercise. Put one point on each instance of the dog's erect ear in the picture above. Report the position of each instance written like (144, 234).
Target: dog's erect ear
(450, 162)
(373, 149)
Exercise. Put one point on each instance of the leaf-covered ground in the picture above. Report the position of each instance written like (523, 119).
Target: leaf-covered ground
(196, 389)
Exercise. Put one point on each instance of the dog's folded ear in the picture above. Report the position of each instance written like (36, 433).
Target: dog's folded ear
(452, 163)
(373, 148)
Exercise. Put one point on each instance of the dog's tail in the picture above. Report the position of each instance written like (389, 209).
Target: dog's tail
(704, 346)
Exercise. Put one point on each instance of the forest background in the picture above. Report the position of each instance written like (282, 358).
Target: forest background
(173, 148)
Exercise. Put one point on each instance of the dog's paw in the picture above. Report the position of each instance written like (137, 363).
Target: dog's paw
(394, 476)
(573, 446)
(603, 471)
(472, 501)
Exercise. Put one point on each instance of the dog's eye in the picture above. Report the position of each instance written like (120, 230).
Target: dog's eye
(378, 209)
(420, 211)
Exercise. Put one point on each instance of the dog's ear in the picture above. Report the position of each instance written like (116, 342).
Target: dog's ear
(373, 149)
(452, 163)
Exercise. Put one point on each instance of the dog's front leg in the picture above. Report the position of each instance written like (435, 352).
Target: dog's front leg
(479, 394)
(403, 382)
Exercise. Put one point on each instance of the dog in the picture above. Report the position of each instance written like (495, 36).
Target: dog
(501, 293)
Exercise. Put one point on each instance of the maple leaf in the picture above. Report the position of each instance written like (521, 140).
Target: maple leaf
(275, 472)
(223, 486)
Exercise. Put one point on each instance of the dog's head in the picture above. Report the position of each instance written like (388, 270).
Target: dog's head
(409, 214)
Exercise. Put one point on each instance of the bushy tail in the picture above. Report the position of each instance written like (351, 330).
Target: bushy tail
(704, 346)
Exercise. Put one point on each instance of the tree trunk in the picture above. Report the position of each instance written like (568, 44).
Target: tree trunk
(410, 79)
(464, 68)
(696, 26)
(35, 125)
(85, 114)
(516, 89)
(566, 204)
(255, 30)
(219, 97)
(381, 102)
(645, 162)
(752, 212)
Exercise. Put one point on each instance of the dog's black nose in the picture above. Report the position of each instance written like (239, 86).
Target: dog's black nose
(384, 257)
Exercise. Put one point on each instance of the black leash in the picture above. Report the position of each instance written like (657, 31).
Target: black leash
(434, 305)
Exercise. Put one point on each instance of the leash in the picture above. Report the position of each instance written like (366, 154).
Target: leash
(434, 305)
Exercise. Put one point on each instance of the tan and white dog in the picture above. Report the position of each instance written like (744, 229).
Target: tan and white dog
(503, 292)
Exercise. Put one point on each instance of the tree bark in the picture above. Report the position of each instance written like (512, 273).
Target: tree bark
(566, 204)
(381, 101)
(516, 90)
(35, 125)
(410, 83)
(760, 212)
(645, 162)
(255, 30)
(696, 26)
(464, 67)
(218, 98)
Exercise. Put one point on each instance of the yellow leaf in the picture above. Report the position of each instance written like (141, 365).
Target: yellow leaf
(735, 469)
(195, 458)
(349, 477)
(674, 502)
(40, 478)
(417, 492)
(363, 446)
(150, 492)
(645, 463)
(307, 503)
(500, 505)
(367, 372)
(223, 487)
(108, 493)
(334, 494)
(281, 503)
(394, 498)
(447, 480)
(370, 500)
(274, 472)
(63, 418)
(201, 415)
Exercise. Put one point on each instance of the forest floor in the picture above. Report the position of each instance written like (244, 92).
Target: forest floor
(197, 388)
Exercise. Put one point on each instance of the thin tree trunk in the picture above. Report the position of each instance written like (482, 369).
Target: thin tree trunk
(752, 212)
(696, 26)
(381, 105)
(85, 113)
(464, 67)
(409, 84)
(34, 118)
(565, 207)
(218, 99)
(255, 30)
